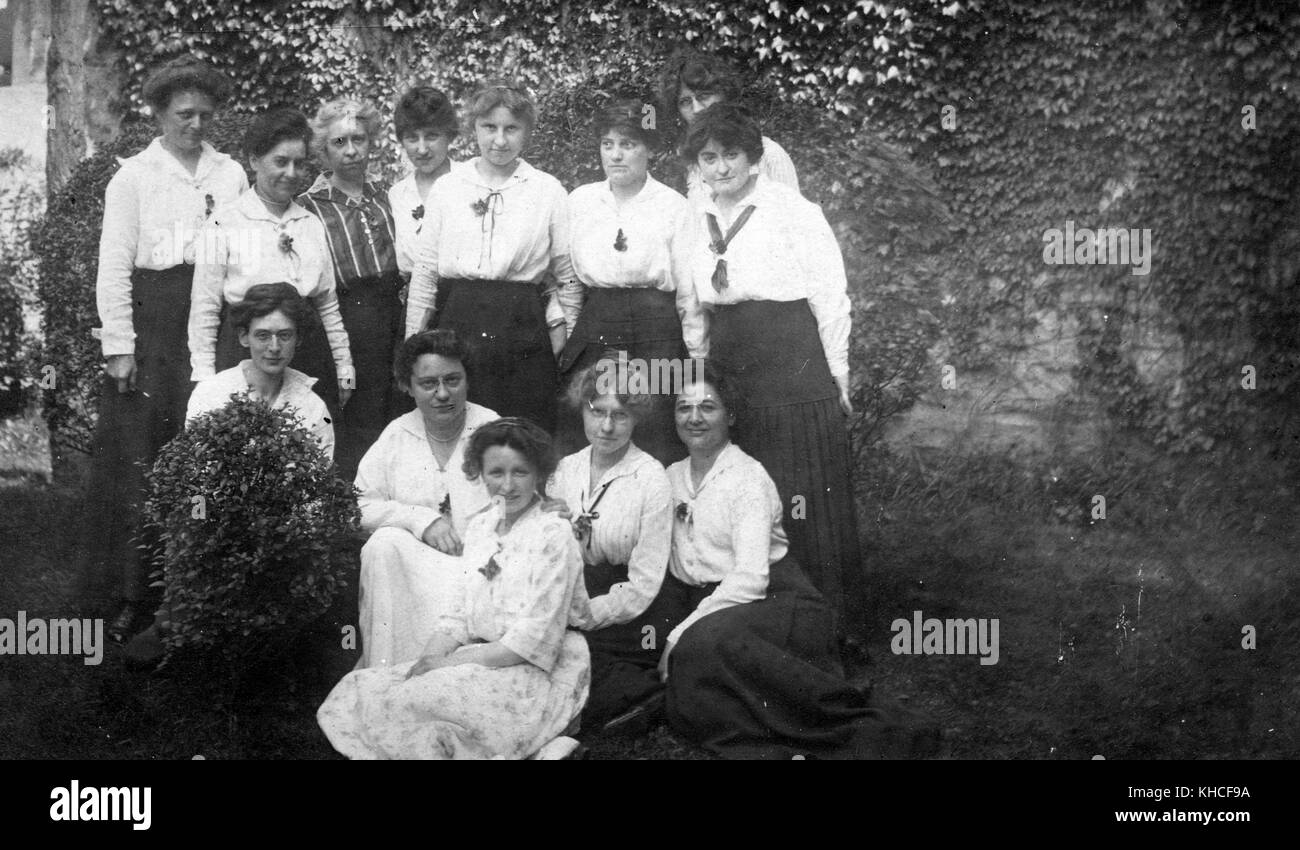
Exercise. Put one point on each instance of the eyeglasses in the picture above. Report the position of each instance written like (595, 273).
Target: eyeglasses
(617, 417)
(285, 337)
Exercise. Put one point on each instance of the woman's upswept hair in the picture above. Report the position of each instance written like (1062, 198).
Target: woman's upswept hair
(729, 125)
(501, 91)
(264, 299)
(607, 376)
(699, 72)
(424, 107)
(723, 380)
(365, 113)
(444, 343)
(184, 73)
(274, 126)
(629, 118)
(522, 435)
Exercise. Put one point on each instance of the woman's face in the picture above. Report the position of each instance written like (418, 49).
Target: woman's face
(509, 476)
(501, 136)
(279, 170)
(608, 424)
(347, 148)
(624, 158)
(440, 389)
(691, 103)
(271, 341)
(185, 120)
(725, 170)
(703, 423)
(427, 149)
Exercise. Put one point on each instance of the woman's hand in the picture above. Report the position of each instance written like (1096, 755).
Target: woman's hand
(845, 404)
(426, 663)
(121, 368)
(557, 506)
(663, 661)
(559, 336)
(442, 536)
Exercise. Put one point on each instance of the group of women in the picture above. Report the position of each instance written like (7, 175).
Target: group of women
(715, 589)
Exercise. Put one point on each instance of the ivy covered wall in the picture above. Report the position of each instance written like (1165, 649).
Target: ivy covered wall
(943, 140)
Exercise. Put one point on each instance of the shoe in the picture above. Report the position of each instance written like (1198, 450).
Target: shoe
(145, 653)
(124, 624)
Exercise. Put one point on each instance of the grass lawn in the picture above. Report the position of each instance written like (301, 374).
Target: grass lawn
(1115, 640)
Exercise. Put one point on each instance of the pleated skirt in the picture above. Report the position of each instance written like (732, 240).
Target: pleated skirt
(795, 428)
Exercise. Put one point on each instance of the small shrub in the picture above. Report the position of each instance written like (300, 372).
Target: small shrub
(249, 527)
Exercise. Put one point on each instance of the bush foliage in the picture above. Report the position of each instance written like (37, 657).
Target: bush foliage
(250, 523)
(21, 202)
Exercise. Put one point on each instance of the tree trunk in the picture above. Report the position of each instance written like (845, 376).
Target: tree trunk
(65, 77)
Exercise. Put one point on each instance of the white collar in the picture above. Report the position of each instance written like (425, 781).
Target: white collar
(251, 207)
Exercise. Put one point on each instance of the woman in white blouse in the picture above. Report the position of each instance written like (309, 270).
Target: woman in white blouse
(624, 293)
(425, 122)
(753, 669)
(270, 321)
(493, 232)
(691, 83)
(415, 500)
(765, 263)
(619, 502)
(153, 208)
(265, 237)
(501, 676)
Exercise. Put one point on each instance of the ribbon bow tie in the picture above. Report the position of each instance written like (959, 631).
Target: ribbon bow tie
(718, 245)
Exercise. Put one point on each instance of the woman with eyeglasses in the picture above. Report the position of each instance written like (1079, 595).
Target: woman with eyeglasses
(765, 264)
(618, 500)
(501, 676)
(361, 234)
(752, 666)
(491, 254)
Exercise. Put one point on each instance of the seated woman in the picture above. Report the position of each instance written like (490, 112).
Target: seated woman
(752, 670)
(270, 321)
(620, 502)
(501, 676)
(415, 501)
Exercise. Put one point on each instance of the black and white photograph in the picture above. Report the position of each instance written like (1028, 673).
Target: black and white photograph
(595, 380)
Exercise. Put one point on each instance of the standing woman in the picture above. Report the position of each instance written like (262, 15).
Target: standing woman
(765, 262)
(264, 237)
(622, 231)
(153, 209)
(493, 231)
(426, 125)
(691, 83)
(361, 233)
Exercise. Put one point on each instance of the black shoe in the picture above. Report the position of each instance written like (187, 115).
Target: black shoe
(126, 623)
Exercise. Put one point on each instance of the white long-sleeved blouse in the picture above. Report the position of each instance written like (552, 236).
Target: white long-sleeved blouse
(784, 252)
(214, 393)
(518, 231)
(408, 215)
(633, 526)
(153, 210)
(401, 484)
(243, 245)
(729, 531)
(649, 224)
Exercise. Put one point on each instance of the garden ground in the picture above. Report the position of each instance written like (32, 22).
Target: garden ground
(1120, 638)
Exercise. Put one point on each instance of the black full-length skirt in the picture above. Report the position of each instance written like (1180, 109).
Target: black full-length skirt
(131, 429)
(795, 428)
(503, 322)
(625, 657)
(643, 322)
(372, 314)
(763, 680)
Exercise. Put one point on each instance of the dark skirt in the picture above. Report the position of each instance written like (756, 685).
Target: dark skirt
(131, 429)
(372, 314)
(764, 680)
(503, 322)
(795, 428)
(625, 657)
(643, 322)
